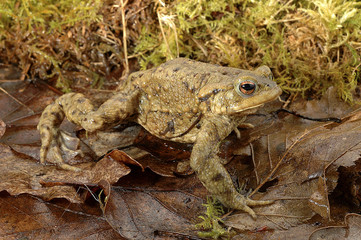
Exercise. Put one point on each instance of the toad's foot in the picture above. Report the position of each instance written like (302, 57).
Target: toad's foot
(62, 146)
(241, 202)
(80, 111)
(55, 142)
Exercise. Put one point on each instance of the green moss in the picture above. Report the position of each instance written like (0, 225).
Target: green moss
(149, 48)
(309, 45)
(211, 221)
(32, 30)
(48, 14)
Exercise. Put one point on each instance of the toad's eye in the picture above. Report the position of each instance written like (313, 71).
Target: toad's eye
(247, 87)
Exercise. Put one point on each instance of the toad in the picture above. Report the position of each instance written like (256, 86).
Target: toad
(181, 100)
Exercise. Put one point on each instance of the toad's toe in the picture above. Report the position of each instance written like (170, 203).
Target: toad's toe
(251, 202)
(243, 203)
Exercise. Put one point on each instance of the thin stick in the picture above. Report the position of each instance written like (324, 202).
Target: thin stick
(125, 49)
(254, 163)
(269, 152)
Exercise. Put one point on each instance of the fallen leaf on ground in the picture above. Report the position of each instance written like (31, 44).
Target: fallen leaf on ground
(140, 210)
(350, 231)
(303, 175)
(29, 217)
(22, 174)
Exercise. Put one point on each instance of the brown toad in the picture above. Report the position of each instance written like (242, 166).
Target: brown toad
(181, 100)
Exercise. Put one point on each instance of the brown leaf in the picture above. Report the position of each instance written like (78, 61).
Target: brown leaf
(299, 232)
(21, 174)
(103, 141)
(28, 217)
(310, 158)
(123, 157)
(163, 157)
(167, 150)
(304, 176)
(319, 199)
(27, 101)
(146, 215)
(110, 169)
(162, 168)
(351, 230)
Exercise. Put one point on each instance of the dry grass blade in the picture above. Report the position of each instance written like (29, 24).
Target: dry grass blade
(125, 48)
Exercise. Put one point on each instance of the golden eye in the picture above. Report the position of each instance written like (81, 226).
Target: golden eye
(247, 87)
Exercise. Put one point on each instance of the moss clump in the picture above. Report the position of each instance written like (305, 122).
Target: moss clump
(65, 40)
(310, 45)
(211, 221)
(36, 34)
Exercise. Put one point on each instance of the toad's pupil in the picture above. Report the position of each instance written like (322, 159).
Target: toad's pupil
(248, 86)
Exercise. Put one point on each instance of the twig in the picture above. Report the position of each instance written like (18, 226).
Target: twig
(198, 44)
(254, 163)
(11, 80)
(269, 152)
(16, 100)
(125, 49)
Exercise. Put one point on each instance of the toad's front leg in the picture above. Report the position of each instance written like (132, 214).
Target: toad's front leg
(211, 172)
(79, 110)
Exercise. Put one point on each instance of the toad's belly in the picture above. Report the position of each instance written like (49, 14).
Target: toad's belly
(179, 127)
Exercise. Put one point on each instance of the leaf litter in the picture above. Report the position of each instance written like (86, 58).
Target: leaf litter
(29, 217)
(296, 163)
(350, 230)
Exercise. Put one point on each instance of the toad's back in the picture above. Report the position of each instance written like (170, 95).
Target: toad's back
(169, 94)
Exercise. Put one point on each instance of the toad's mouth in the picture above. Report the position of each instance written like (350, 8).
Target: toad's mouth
(249, 110)
(250, 105)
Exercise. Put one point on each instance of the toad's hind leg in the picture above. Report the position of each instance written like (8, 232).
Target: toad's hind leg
(206, 163)
(79, 110)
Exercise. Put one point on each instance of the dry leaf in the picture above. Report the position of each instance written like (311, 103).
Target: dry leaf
(22, 174)
(28, 217)
(319, 199)
(306, 173)
(351, 230)
(143, 213)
